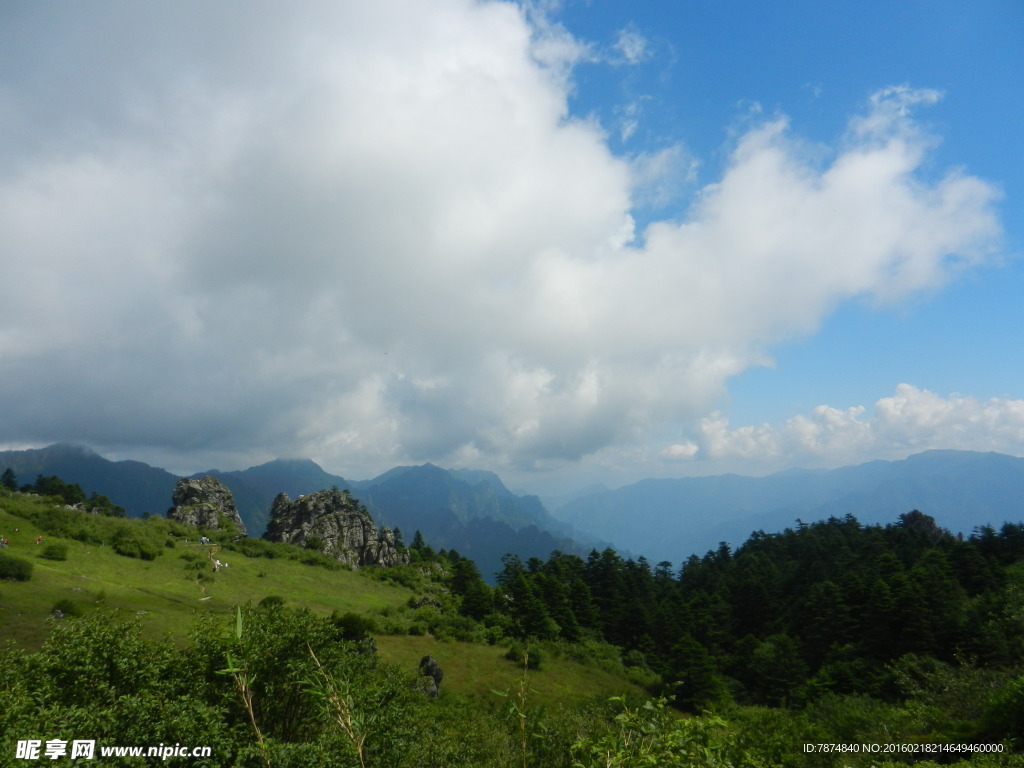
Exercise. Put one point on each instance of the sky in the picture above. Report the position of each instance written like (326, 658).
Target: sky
(570, 242)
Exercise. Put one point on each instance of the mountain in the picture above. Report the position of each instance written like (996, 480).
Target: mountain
(468, 510)
(255, 488)
(673, 519)
(137, 487)
(473, 512)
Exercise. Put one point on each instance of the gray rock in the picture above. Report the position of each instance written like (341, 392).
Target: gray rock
(431, 676)
(205, 503)
(334, 523)
(430, 668)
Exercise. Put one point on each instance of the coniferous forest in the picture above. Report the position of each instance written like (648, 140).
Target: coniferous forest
(830, 643)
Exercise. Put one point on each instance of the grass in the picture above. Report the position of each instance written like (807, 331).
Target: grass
(476, 670)
(165, 592)
(169, 592)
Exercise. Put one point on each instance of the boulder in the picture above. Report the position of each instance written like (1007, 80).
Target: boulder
(205, 503)
(334, 523)
(431, 676)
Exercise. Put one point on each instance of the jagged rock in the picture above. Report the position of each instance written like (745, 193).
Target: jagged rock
(205, 503)
(431, 676)
(334, 523)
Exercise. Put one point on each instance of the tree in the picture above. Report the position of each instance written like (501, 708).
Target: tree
(466, 582)
(9, 480)
(694, 675)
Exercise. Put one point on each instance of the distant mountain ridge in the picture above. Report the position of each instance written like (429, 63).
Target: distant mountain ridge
(674, 518)
(468, 510)
(669, 519)
(136, 486)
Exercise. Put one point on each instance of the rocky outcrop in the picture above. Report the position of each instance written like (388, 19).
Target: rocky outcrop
(205, 503)
(431, 676)
(334, 523)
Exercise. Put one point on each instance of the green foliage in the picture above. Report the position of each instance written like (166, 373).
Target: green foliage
(353, 627)
(649, 736)
(67, 607)
(783, 619)
(69, 493)
(133, 541)
(14, 568)
(1004, 716)
(800, 621)
(54, 552)
(530, 658)
(9, 480)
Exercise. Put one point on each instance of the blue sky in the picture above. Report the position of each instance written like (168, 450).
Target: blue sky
(568, 242)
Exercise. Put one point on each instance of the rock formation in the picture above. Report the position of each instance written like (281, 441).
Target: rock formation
(334, 523)
(431, 676)
(205, 503)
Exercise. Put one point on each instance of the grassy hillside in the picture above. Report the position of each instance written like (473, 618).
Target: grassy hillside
(169, 592)
(159, 654)
(166, 592)
(479, 670)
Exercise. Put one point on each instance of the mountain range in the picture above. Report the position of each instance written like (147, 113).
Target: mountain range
(669, 519)
(470, 511)
(673, 519)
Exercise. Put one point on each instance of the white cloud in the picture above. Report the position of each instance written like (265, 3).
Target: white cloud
(632, 46)
(911, 420)
(681, 451)
(659, 178)
(335, 235)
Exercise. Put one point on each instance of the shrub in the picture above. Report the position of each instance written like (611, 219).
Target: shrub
(132, 543)
(55, 552)
(519, 654)
(353, 626)
(1004, 718)
(14, 569)
(67, 607)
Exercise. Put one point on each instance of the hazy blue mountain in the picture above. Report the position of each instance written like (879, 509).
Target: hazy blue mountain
(468, 510)
(673, 519)
(472, 510)
(137, 487)
(466, 493)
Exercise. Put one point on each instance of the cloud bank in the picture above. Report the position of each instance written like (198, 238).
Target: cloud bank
(911, 420)
(313, 230)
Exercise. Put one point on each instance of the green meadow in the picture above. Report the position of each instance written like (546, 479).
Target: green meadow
(167, 595)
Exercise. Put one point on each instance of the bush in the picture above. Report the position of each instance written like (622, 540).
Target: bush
(1004, 718)
(14, 569)
(518, 654)
(353, 626)
(55, 552)
(67, 607)
(131, 542)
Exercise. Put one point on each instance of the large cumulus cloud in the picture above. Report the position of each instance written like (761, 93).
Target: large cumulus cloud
(373, 232)
(912, 419)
